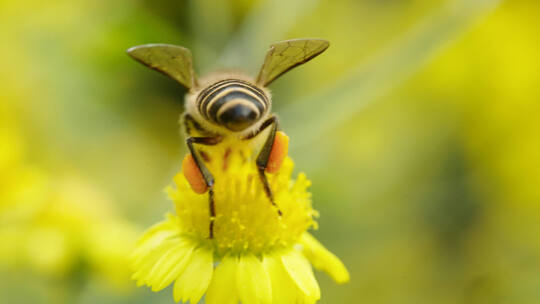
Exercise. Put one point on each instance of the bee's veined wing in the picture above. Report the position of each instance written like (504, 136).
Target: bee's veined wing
(171, 60)
(285, 55)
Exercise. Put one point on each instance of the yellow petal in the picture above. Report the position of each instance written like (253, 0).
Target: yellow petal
(323, 259)
(300, 271)
(148, 260)
(152, 238)
(283, 288)
(222, 289)
(193, 282)
(301, 298)
(252, 280)
(171, 265)
(164, 226)
(153, 275)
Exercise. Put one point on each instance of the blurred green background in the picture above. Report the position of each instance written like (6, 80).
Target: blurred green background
(420, 128)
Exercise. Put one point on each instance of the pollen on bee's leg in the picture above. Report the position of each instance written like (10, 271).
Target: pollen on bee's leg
(193, 175)
(279, 151)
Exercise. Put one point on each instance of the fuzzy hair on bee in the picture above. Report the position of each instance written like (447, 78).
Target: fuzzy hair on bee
(229, 105)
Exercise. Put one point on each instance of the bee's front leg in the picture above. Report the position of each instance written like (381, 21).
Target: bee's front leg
(208, 178)
(271, 155)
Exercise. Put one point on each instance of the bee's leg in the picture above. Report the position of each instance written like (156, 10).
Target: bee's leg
(208, 177)
(264, 156)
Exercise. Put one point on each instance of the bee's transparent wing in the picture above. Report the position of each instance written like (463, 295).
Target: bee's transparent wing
(171, 60)
(285, 55)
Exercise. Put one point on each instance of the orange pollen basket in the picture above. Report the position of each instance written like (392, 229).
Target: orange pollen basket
(280, 149)
(193, 175)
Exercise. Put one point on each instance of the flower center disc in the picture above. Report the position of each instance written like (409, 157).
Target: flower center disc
(245, 218)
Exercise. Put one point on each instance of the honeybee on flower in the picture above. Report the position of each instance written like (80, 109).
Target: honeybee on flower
(236, 203)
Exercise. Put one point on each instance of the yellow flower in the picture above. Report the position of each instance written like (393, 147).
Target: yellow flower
(255, 256)
(62, 223)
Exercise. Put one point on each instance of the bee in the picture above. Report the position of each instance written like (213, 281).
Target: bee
(229, 104)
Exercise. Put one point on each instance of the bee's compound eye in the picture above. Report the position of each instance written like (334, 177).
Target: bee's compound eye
(238, 117)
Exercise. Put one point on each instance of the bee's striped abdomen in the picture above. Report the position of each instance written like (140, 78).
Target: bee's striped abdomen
(232, 103)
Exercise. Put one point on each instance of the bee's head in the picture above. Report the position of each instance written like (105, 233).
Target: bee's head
(233, 103)
(238, 113)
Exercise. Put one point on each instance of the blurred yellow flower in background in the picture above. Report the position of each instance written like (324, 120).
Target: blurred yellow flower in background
(263, 257)
(66, 224)
(54, 225)
(62, 226)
